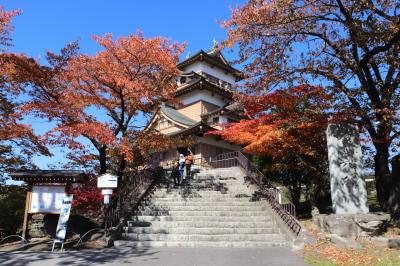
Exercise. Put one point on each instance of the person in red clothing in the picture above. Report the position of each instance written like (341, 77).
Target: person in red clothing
(188, 163)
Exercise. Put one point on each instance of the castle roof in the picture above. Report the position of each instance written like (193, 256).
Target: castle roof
(201, 83)
(213, 57)
(176, 116)
(235, 108)
(199, 129)
(49, 176)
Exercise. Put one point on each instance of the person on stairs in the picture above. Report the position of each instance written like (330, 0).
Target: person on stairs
(182, 167)
(188, 163)
(175, 174)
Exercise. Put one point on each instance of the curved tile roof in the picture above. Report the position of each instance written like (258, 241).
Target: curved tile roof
(212, 57)
(235, 107)
(203, 83)
(176, 116)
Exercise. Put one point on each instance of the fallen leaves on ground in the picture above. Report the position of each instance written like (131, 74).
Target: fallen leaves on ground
(326, 253)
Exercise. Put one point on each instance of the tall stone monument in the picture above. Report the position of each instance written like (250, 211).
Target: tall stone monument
(348, 189)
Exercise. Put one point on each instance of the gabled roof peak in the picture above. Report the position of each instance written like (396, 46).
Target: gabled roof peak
(214, 57)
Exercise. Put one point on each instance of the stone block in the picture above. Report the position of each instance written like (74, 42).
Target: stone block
(304, 238)
(380, 241)
(352, 226)
(348, 189)
(387, 242)
(344, 242)
(372, 224)
(341, 225)
(36, 226)
(394, 243)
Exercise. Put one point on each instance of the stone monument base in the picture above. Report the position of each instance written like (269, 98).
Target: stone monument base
(353, 226)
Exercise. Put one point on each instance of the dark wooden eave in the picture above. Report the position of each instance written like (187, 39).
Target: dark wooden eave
(234, 109)
(202, 83)
(199, 129)
(49, 176)
(213, 60)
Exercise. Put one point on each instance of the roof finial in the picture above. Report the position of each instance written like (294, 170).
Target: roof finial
(188, 55)
(215, 44)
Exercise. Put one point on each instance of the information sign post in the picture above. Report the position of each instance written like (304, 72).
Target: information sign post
(107, 182)
(62, 221)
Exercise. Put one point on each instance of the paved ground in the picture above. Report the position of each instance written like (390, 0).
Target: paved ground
(157, 256)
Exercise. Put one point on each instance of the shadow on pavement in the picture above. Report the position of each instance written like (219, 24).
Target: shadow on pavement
(83, 257)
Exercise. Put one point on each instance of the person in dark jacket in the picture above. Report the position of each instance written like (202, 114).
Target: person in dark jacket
(175, 174)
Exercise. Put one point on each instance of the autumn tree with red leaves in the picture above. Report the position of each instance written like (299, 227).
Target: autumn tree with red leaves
(17, 140)
(98, 97)
(288, 128)
(350, 46)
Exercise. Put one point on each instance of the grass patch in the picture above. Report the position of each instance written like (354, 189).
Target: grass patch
(318, 261)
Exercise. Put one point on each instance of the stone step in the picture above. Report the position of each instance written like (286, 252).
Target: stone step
(205, 187)
(214, 208)
(201, 203)
(202, 224)
(149, 218)
(205, 192)
(165, 208)
(200, 198)
(215, 244)
(222, 199)
(200, 237)
(213, 195)
(209, 181)
(199, 231)
(197, 194)
(203, 213)
(216, 182)
(206, 181)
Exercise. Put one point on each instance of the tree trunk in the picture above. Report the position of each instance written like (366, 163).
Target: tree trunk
(394, 197)
(103, 160)
(121, 168)
(382, 174)
(295, 193)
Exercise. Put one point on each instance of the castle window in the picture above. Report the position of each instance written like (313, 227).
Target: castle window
(216, 119)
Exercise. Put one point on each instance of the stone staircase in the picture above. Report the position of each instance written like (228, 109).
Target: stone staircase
(215, 209)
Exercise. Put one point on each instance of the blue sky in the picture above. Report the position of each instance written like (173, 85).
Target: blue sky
(49, 25)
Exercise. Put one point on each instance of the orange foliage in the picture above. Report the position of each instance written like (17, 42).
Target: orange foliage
(285, 121)
(13, 134)
(99, 96)
(5, 26)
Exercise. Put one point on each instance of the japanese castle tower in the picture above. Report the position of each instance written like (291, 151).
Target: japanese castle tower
(204, 91)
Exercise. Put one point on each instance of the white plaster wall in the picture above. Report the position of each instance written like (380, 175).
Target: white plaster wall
(203, 95)
(214, 71)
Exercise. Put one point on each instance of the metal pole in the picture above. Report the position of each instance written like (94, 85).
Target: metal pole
(105, 222)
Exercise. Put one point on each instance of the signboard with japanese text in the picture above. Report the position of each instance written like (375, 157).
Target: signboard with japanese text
(107, 181)
(63, 220)
(47, 199)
